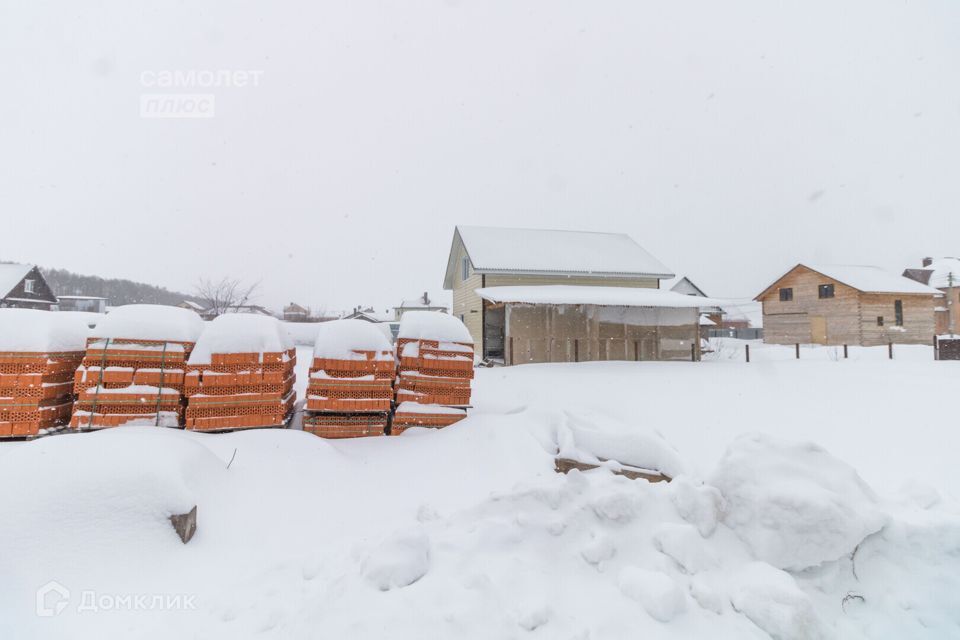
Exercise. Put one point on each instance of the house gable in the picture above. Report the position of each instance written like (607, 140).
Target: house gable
(40, 294)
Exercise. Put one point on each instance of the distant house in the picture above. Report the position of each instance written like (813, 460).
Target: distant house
(423, 303)
(90, 304)
(844, 304)
(295, 313)
(193, 306)
(210, 314)
(23, 286)
(944, 275)
(368, 314)
(539, 295)
(685, 286)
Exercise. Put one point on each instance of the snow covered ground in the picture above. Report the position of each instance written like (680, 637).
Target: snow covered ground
(468, 532)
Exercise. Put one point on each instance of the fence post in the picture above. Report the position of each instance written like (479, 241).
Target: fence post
(748, 353)
(844, 352)
(693, 352)
(798, 350)
(936, 349)
(890, 349)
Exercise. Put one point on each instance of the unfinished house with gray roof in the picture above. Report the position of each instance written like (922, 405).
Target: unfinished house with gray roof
(543, 295)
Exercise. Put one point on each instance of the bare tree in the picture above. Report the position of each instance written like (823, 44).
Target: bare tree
(226, 295)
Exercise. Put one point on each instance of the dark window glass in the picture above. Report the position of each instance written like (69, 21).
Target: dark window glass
(898, 312)
(826, 291)
(786, 295)
(879, 321)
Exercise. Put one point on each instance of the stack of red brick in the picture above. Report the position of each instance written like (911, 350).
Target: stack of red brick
(127, 381)
(241, 375)
(39, 352)
(351, 381)
(435, 358)
(241, 390)
(133, 370)
(36, 391)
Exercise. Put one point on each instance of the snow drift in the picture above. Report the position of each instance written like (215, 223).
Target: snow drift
(794, 504)
(240, 333)
(31, 330)
(150, 322)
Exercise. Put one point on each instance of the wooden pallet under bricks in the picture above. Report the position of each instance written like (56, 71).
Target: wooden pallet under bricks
(125, 381)
(346, 425)
(36, 391)
(240, 391)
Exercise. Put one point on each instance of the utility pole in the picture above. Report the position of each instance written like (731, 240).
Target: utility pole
(950, 305)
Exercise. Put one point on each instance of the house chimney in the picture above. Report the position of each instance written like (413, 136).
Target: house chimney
(927, 262)
(426, 300)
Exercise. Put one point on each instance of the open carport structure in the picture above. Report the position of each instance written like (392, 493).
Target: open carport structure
(560, 323)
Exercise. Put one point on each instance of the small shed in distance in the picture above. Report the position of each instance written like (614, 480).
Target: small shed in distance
(847, 304)
(562, 323)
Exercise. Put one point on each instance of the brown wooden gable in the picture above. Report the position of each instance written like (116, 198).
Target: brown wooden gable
(790, 276)
(41, 290)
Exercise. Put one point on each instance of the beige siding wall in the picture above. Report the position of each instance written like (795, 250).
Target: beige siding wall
(790, 322)
(918, 319)
(466, 303)
(503, 280)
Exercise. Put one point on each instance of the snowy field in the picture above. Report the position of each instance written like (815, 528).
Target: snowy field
(468, 532)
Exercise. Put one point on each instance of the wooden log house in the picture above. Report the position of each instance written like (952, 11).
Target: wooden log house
(847, 305)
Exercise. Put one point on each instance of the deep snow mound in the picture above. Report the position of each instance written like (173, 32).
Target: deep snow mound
(794, 504)
(150, 322)
(240, 333)
(32, 330)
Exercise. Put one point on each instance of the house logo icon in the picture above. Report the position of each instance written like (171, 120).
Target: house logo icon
(52, 599)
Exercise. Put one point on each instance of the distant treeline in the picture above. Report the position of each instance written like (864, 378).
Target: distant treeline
(116, 291)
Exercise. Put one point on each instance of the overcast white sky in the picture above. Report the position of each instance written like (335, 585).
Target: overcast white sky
(731, 139)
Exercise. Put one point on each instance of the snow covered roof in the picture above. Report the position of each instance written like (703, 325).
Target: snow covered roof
(864, 278)
(871, 279)
(553, 252)
(937, 274)
(11, 275)
(682, 284)
(603, 296)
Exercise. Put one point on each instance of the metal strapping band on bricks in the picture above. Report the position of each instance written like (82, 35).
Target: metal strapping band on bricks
(96, 395)
(163, 362)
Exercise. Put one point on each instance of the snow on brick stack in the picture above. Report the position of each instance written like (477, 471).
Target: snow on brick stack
(133, 371)
(351, 381)
(241, 375)
(39, 353)
(435, 353)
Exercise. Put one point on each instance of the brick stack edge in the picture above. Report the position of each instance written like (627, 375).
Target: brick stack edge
(36, 391)
(432, 373)
(130, 382)
(350, 398)
(240, 391)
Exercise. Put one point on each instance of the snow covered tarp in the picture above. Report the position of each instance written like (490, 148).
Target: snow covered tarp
(240, 333)
(600, 296)
(350, 339)
(150, 322)
(31, 330)
(433, 325)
